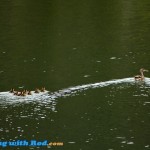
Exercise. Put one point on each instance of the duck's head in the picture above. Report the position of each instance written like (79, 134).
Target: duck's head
(143, 70)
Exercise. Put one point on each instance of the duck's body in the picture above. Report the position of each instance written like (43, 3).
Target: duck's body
(37, 90)
(140, 77)
(12, 90)
(25, 91)
(16, 93)
(19, 93)
(29, 93)
(23, 94)
(43, 89)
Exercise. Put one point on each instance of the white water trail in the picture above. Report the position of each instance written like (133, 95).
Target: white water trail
(10, 98)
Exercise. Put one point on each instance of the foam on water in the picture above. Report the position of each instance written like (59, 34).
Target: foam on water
(6, 97)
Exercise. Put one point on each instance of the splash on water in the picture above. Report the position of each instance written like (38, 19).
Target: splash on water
(7, 98)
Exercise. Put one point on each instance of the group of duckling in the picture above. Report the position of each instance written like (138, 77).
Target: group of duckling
(26, 92)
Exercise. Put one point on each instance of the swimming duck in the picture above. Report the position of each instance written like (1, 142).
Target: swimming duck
(43, 89)
(23, 93)
(12, 90)
(140, 77)
(19, 93)
(37, 90)
(16, 93)
(29, 93)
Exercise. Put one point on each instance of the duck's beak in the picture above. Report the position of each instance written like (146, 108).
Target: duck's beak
(146, 70)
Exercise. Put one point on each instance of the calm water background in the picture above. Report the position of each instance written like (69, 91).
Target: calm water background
(60, 44)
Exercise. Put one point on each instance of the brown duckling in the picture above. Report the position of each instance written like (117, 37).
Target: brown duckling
(16, 93)
(43, 89)
(12, 90)
(25, 91)
(37, 90)
(23, 94)
(19, 93)
(29, 93)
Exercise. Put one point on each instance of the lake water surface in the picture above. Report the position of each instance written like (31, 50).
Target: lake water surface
(85, 54)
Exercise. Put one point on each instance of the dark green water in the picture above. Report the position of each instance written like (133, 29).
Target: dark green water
(60, 44)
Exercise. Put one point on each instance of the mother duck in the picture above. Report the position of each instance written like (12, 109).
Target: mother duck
(140, 77)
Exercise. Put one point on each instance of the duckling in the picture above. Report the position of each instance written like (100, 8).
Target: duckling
(29, 93)
(19, 93)
(16, 93)
(37, 90)
(25, 91)
(43, 89)
(23, 94)
(12, 90)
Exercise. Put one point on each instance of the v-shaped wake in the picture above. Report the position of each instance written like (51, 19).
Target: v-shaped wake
(10, 98)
